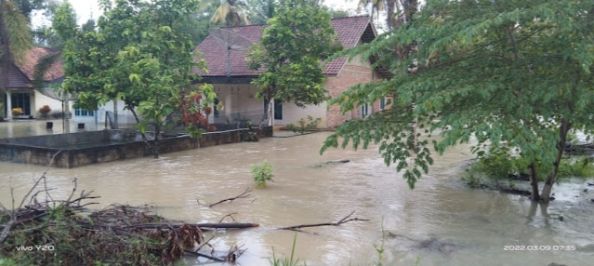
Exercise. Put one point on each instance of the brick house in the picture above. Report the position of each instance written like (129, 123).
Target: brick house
(225, 51)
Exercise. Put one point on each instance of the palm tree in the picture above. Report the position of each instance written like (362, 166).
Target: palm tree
(15, 33)
(397, 11)
(15, 40)
(231, 13)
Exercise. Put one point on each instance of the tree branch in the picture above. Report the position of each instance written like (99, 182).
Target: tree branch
(244, 194)
(344, 220)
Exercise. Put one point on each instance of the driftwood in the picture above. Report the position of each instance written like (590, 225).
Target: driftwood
(244, 194)
(344, 220)
(111, 230)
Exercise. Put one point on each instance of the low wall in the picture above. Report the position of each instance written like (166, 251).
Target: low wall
(78, 149)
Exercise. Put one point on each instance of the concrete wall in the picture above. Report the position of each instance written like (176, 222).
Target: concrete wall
(78, 149)
(293, 113)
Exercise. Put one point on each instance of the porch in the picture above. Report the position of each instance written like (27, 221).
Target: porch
(17, 103)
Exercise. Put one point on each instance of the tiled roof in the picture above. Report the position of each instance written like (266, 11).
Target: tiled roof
(349, 31)
(22, 74)
(32, 58)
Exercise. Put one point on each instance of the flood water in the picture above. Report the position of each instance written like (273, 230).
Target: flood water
(440, 222)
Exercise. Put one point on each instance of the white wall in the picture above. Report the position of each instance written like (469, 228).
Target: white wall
(239, 100)
(293, 113)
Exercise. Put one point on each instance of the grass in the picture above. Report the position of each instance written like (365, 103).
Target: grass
(290, 261)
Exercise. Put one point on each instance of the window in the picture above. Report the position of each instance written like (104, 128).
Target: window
(364, 110)
(383, 103)
(83, 112)
(23, 101)
(278, 110)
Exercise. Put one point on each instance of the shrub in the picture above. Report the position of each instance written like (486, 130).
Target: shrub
(262, 173)
(45, 110)
(305, 125)
(17, 111)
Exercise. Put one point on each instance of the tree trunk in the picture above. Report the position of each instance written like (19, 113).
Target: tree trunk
(534, 182)
(156, 142)
(5, 56)
(552, 178)
(269, 114)
(144, 137)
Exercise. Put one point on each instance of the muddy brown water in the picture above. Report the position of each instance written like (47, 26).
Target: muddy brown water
(440, 222)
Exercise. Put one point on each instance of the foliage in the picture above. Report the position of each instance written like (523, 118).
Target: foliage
(262, 173)
(15, 34)
(139, 53)
(513, 72)
(499, 165)
(305, 125)
(290, 261)
(44, 110)
(17, 111)
(260, 11)
(231, 13)
(291, 51)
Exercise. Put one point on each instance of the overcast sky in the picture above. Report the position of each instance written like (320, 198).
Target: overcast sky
(86, 9)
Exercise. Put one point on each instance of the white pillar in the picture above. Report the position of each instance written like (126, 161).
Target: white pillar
(8, 105)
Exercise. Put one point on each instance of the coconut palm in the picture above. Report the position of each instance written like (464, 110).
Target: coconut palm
(15, 32)
(231, 13)
(397, 11)
(15, 38)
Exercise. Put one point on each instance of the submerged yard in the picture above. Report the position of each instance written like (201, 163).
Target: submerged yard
(441, 222)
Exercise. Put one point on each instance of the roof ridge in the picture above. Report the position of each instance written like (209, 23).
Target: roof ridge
(264, 24)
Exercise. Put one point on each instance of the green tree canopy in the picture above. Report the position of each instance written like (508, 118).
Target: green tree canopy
(507, 73)
(292, 49)
(141, 54)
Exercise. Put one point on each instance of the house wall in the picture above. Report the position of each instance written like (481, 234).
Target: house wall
(355, 71)
(293, 113)
(239, 101)
(40, 100)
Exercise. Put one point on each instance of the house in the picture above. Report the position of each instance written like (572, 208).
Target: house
(21, 100)
(225, 51)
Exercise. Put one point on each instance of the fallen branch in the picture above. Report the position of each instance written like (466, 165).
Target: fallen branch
(244, 194)
(344, 220)
(201, 225)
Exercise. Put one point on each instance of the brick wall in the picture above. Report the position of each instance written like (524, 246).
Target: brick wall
(354, 72)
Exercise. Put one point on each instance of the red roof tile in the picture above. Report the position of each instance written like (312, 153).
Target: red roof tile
(32, 58)
(349, 31)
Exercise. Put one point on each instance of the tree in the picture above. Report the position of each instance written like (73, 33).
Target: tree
(396, 11)
(260, 11)
(15, 33)
(231, 13)
(514, 74)
(291, 51)
(140, 54)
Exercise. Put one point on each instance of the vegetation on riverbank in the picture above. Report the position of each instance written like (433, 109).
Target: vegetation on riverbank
(65, 232)
(499, 167)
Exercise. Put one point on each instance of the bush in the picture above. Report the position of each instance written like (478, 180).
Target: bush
(305, 125)
(262, 173)
(499, 164)
(45, 110)
(17, 111)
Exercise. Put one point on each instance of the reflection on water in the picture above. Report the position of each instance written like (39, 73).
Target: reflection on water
(25, 128)
(441, 222)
